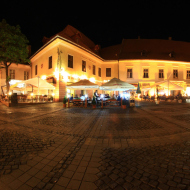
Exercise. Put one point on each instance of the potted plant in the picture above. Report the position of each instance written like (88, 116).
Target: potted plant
(64, 102)
(124, 103)
(93, 102)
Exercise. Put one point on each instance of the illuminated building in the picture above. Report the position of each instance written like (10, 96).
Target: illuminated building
(16, 72)
(70, 56)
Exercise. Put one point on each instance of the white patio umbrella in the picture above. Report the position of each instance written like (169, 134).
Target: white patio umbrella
(117, 85)
(37, 82)
(83, 85)
(165, 84)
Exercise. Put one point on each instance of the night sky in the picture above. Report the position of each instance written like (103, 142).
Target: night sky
(105, 23)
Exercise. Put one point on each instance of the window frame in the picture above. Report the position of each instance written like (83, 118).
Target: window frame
(99, 72)
(36, 69)
(83, 67)
(108, 73)
(175, 74)
(161, 74)
(131, 73)
(94, 69)
(50, 62)
(188, 74)
(70, 65)
(26, 75)
(146, 73)
(12, 73)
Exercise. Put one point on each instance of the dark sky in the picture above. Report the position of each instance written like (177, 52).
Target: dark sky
(105, 23)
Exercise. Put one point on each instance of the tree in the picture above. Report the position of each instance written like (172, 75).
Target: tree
(13, 47)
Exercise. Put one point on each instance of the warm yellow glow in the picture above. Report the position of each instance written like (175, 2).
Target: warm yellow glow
(32, 94)
(53, 94)
(43, 77)
(83, 77)
(10, 93)
(92, 79)
(56, 74)
(75, 76)
(188, 91)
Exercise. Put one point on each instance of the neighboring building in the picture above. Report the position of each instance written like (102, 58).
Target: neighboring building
(16, 72)
(70, 56)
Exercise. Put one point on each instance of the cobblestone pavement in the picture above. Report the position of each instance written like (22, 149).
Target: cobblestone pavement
(49, 147)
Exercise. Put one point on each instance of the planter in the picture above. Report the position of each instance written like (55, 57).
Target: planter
(64, 105)
(180, 101)
(93, 106)
(124, 106)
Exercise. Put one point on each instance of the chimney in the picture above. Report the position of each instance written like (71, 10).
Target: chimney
(170, 38)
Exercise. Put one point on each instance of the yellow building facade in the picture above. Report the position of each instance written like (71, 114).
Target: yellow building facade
(70, 56)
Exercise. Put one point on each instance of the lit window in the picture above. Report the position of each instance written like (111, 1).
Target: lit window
(26, 75)
(83, 66)
(99, 72)
(12, 74)
(175, 73)
(145, 73)
(50, 62)
(70, 61)
(108, 72)
(188, 74)
(129, 73)
(94, 70)
(161, 73)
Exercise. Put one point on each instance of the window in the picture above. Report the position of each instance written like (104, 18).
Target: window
(188, 74)
(129, 73)
(175, 73)
(12, 74)
(145, 73)
(83, 66)
(36, 70)
(108, 72)
(94, 70)
(70, 61)
(99, 72)
(26, 75)
(161, 73)
(50, 62)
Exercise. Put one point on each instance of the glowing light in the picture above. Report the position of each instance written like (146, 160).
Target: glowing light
(92, 80)
(56, 73)
(32, 94)
(43, 77)
(10, 93)
(102, 96)
(83, 77)
(86, 96)
(188, 91)
(75, 76)
(53, 94)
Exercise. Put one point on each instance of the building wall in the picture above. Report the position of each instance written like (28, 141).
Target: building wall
(19, 73)
(118, 68)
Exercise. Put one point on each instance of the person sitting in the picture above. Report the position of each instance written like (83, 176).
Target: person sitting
(71, 98)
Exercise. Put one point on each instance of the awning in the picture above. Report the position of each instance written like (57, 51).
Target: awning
(83, 85)
(36, 82)
(117, 85)
(165, 84)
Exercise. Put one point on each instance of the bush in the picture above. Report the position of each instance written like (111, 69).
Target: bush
(64, 100)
